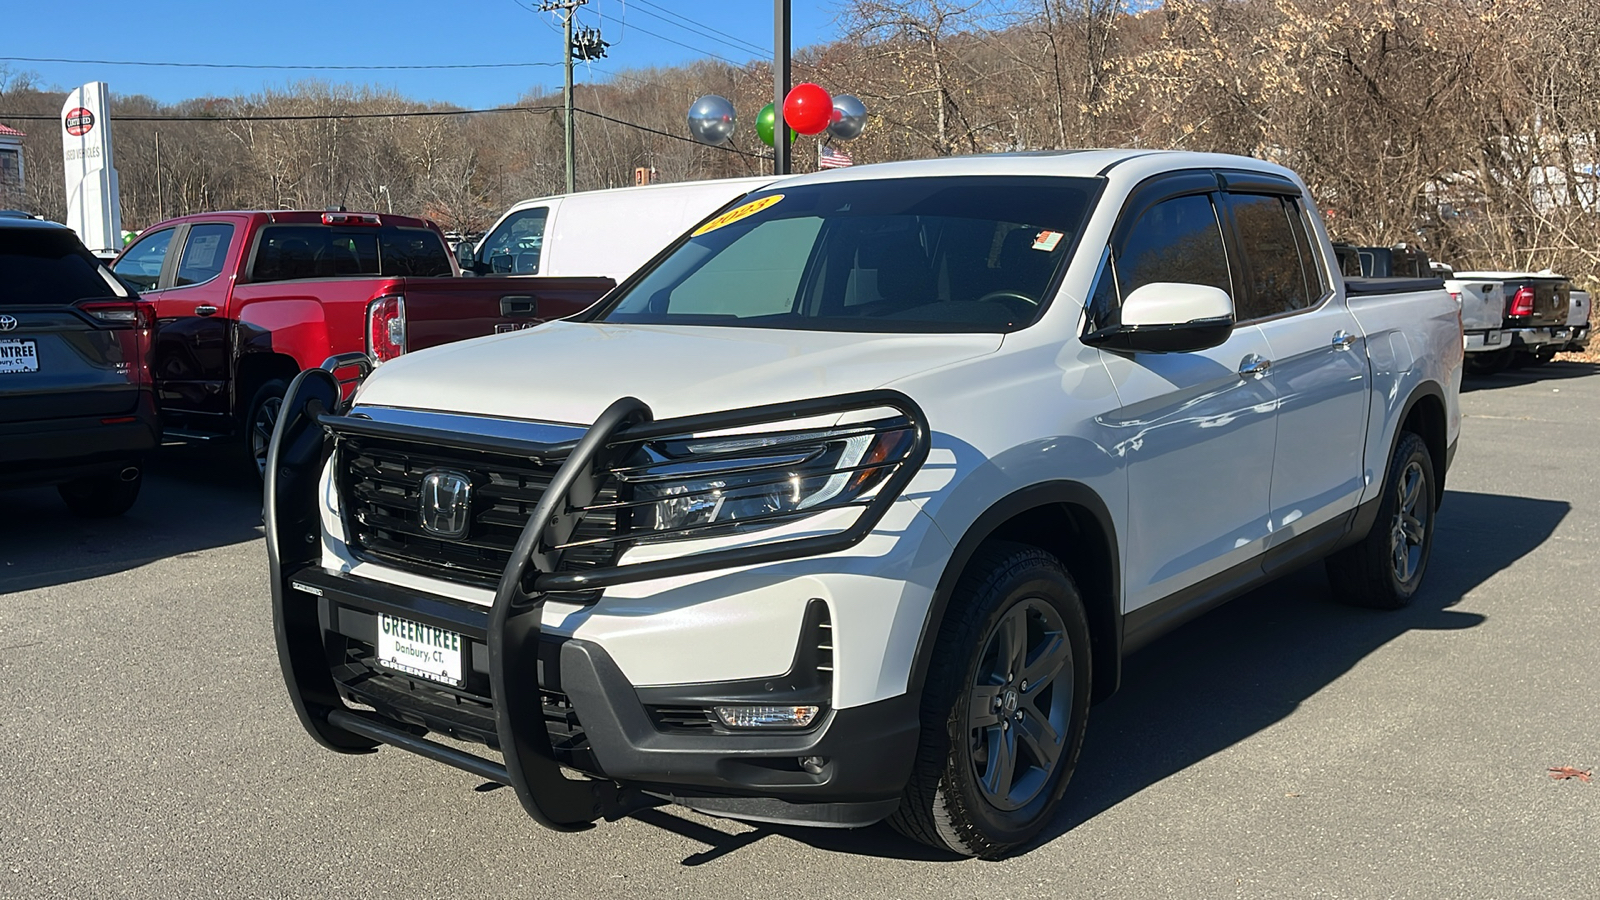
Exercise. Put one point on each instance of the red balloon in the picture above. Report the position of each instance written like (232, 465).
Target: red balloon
(808, 108)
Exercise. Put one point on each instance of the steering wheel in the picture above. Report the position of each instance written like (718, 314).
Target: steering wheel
(1017, 302)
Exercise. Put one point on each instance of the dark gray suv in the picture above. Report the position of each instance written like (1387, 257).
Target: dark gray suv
(77, 405)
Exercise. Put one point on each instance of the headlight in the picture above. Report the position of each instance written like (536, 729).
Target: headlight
(691, 488)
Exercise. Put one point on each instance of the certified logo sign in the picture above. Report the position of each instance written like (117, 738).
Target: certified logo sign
(446, 504)
(7, 323)
(79, 121)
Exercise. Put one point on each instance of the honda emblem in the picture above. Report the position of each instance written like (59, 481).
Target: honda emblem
(446, 504)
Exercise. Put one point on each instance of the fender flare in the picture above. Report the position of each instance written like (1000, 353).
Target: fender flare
(1107, 648)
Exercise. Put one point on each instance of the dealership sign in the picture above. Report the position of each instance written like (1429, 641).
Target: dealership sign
(94, 207)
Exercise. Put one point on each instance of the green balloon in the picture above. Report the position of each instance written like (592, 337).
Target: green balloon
(765, 122)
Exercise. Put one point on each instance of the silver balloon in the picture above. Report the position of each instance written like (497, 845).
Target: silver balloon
(711, 120)
(849, 117)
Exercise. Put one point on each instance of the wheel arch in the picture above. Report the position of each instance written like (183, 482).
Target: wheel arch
(255, 370)
(1069, 520)
(1424, 415)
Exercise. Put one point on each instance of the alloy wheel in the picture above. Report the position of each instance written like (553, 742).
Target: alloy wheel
(1409, 530)
(1020, 704)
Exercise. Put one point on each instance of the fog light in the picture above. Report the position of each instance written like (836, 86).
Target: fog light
(767, 716)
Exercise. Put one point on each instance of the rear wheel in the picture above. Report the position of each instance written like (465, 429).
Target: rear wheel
(1385, 569)
(101, 496)
(260, 420)
(1004, 707)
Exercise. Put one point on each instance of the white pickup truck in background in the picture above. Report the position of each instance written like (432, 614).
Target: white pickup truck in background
(850, 504)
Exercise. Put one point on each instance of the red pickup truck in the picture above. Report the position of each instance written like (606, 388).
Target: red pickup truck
(246, 300)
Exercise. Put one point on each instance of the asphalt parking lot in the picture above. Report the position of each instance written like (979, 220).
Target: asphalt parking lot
(1283, 746)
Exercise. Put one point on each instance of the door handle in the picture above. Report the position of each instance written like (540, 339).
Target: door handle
(519, 306)
(1342, 340)
(205, 309)
(1254, 365)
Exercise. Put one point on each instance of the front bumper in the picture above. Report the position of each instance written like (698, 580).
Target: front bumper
(545, 702)
(658, 739)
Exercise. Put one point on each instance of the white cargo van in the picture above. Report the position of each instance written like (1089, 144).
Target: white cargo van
(610, 233)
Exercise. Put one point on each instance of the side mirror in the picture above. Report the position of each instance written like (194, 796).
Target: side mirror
(1169, 317)
(466, 258)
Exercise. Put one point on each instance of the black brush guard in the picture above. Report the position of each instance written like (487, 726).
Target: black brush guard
(307, 434)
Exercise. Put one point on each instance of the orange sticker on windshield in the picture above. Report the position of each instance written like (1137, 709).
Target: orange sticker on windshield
(743, 211)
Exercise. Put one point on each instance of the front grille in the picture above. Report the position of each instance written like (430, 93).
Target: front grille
(380, 483)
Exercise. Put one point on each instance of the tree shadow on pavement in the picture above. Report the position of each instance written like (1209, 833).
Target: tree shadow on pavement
(1553, 371)
(194, 498)
(1227, 675)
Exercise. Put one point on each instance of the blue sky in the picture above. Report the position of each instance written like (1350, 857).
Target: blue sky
(378, 32)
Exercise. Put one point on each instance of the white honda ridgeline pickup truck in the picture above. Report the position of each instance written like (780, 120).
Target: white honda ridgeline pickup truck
(849, 504)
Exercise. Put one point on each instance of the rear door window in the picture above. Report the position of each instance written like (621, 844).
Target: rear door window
(141, 264)
(204, 252)
(1280, 275)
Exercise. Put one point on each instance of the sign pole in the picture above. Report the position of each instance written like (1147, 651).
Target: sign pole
(782, 155)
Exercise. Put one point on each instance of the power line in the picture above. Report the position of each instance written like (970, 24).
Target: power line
(685, 46)
(200, 65)
(705, 31)
(412, 114)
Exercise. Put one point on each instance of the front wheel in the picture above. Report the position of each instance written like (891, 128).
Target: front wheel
(1004, 708)
(1385, 569)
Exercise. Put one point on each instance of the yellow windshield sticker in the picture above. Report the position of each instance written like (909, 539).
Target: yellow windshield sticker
(743, 211)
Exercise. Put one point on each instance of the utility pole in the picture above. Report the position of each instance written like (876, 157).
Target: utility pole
(586, 46)
(781, 151)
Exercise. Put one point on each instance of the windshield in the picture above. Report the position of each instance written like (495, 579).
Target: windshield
(953, 254)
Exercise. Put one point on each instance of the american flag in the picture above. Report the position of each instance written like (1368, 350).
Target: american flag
(830, 158)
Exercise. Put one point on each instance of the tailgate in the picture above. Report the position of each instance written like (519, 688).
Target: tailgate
(1483, 306)
(441, 310)
(1551, 300)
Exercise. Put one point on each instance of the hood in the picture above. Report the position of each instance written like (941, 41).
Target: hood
(571, 371)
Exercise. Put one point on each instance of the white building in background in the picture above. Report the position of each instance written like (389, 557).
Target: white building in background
(12, 182)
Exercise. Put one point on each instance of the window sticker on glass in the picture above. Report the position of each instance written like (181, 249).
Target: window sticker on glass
(1046, 240)
(742, 211)
(202, 252)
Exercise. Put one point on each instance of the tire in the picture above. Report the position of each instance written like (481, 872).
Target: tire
(1488, 362)
(101, 496)
(259, 420)
(959, 797)
(1385, 569)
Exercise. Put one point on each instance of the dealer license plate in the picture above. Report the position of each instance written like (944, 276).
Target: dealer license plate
(420, 650)
(18, 356)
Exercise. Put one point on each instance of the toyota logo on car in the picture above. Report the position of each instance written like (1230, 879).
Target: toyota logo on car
(8, 323)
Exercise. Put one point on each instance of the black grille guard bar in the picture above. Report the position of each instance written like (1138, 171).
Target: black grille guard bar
(306, 433)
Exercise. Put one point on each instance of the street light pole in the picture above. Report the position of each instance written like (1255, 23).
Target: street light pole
(782, 157)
